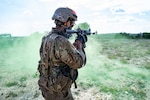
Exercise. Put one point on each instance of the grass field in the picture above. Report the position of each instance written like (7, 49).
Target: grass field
(116, 69)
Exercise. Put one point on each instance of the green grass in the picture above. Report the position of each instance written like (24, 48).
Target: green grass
(147, 66)
(10, 84)
(148, 52)
(35, 75)
(11, 94)
(1, 78)
(37, 93)
(23, 78)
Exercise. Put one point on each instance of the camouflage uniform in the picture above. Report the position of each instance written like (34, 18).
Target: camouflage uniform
(58, 63)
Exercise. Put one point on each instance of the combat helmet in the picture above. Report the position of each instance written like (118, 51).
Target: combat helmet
(62, 14)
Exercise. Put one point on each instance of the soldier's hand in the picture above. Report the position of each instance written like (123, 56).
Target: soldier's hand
(78, 45)
(82, 38)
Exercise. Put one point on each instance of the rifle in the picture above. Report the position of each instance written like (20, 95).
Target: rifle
(82, 33)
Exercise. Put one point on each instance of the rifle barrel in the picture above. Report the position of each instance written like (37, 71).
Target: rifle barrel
(83, 32)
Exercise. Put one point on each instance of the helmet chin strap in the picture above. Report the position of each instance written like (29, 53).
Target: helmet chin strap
(65, 27)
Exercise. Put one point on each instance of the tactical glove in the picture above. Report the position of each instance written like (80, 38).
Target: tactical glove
(82, 38)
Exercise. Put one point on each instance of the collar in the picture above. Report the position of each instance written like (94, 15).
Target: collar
(62, 33)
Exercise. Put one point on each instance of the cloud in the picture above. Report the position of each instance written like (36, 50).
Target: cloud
(117, 10)
(134, 6)
(130, 6)
(122, 19)
(27, 13)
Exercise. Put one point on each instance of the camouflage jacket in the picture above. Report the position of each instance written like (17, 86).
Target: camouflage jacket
(57, 53)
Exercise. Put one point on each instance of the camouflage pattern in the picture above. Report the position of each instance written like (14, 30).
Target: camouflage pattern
(56, 53)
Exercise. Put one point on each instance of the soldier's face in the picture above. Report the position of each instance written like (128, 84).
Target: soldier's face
(70, 24)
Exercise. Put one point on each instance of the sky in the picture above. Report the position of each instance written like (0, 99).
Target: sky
(24, 17)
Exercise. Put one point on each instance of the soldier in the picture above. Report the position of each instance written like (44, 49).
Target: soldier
(59, 58)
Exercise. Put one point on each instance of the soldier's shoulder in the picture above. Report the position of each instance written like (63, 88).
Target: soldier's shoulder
(55, 37)
(46, 35)
(50, 35)
(61, 38)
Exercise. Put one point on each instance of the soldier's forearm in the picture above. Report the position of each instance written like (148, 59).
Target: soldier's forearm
(82, 53)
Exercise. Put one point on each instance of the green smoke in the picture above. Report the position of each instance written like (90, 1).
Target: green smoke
(20, 55)
(82, 26)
